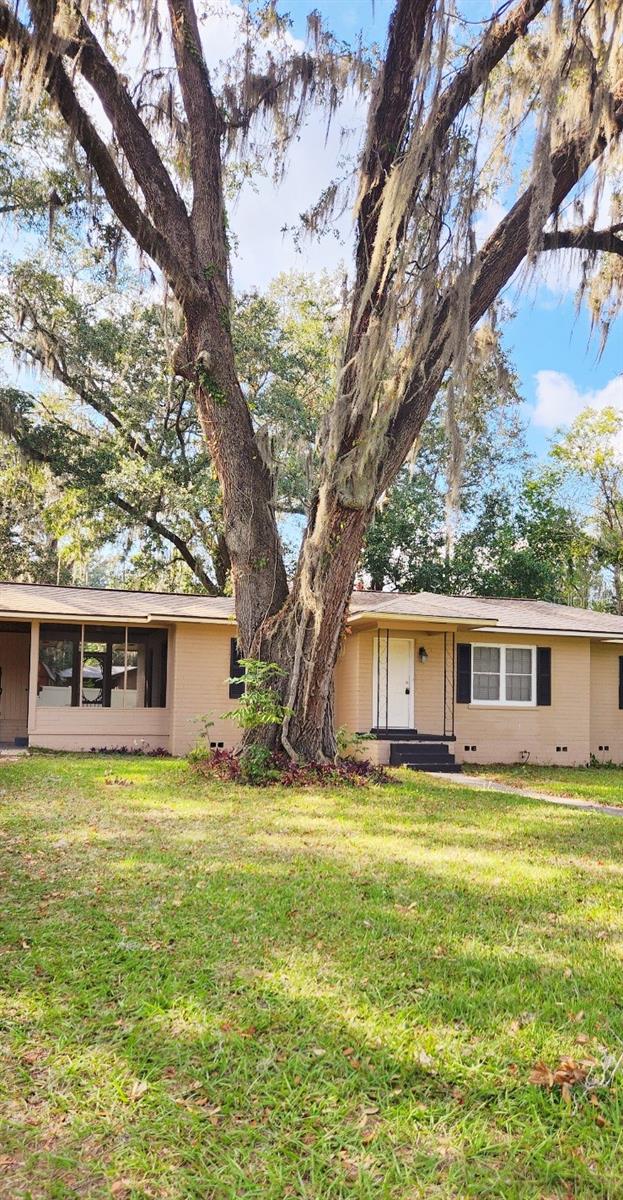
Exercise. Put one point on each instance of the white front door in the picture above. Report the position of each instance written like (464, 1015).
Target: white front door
(392, 684)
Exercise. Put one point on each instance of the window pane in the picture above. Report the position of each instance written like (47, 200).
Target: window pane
(486, 687)
(486, 663)
(59, 667)
(518, 662)
(519, 687)
(487, 659)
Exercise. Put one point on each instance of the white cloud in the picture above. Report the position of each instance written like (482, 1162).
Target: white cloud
(488, 220)
(559, 400)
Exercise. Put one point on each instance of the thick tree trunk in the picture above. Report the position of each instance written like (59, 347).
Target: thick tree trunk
(250, 534)
(304, 637)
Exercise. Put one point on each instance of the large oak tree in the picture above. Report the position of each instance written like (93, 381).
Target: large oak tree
(550, 69)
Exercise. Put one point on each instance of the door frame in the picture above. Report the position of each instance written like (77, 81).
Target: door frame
(387, 636)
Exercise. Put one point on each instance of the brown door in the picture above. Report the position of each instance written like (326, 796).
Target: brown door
(14, 671)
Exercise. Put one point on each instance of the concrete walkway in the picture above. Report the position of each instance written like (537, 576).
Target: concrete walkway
(483, 784)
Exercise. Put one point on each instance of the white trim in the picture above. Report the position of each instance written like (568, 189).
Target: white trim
(503, 703)
(400, 637)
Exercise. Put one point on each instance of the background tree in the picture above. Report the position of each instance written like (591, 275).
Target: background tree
(591, 455)
(29, 550)
(120, 434)
(420, 285)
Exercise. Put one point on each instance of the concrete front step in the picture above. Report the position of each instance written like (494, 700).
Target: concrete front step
(419, 754)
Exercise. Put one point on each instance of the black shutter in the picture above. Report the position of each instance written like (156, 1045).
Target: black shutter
(236, 690)
(621, 682)
(543, 675)
(463, 673)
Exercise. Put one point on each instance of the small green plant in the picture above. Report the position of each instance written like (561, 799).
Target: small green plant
(603, 764)
(259, 706)
(260, 703)
(201, 750)
(346, 741)
(256, 765)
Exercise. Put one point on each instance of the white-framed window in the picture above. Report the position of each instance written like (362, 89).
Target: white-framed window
(503, 674)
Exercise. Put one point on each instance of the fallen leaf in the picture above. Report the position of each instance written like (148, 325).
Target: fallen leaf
(121, 1188)
(541, 1076)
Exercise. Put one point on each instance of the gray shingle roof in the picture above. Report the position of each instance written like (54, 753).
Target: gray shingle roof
(509, 614)
(57, 603)
(110, 604)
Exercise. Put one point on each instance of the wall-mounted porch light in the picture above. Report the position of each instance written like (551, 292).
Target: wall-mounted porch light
(422, 655)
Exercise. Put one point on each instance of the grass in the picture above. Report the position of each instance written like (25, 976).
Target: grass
(603, 784)
(209, 993)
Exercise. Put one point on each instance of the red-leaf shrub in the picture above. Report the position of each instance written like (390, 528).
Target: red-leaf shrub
(280, 770)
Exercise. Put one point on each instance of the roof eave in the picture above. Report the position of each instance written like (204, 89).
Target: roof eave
(525, 630)
(424, 618)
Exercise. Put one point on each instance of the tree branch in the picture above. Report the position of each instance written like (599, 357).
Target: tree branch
(168, 535)
(496, 43)
(205, 126)
(164, 204)
(126, 209)
(504, 251)
(593, 240)
(386, 140)
(494, 266)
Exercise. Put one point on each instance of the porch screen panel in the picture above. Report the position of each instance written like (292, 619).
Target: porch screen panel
(58, 675)
(113, 667)
(147, 655)
(97, 666)
(381, 680)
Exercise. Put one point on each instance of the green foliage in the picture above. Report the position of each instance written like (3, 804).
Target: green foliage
(347, 741)
(260, 704)
(120, 435)
(201, 751)
(589, 456)
(514, 533)
(256, 765)
(29, 549)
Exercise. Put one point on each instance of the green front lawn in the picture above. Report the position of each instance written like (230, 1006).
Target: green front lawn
(603, 784)
(225, 994)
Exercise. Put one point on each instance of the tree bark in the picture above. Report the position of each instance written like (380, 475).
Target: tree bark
(304, 638)
(249, 523)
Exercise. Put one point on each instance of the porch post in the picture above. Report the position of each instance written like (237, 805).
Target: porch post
(33, 679)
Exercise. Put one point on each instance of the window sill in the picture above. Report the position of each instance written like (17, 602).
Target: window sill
(525, 707)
